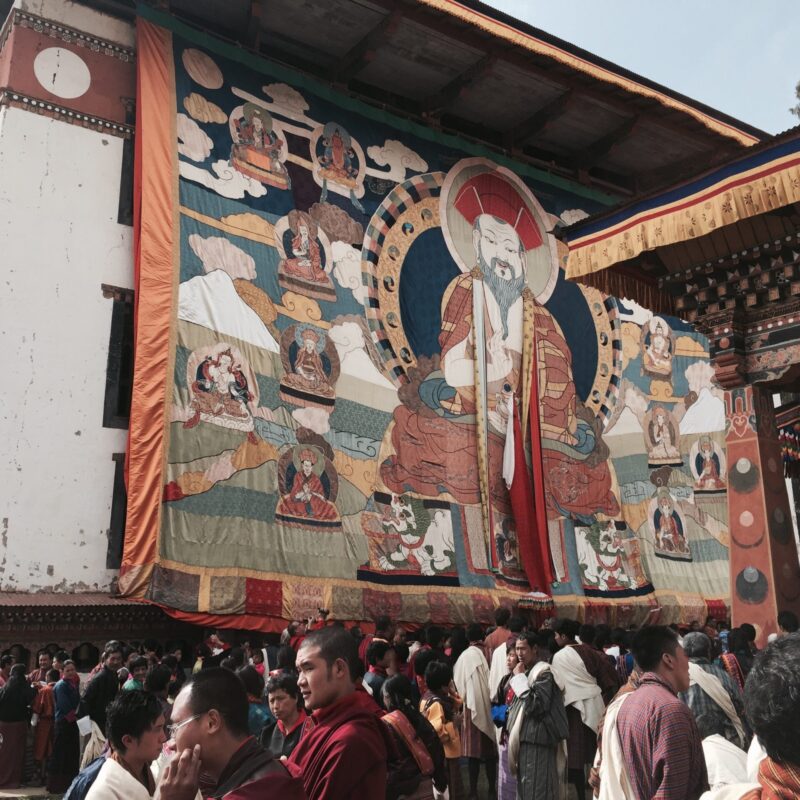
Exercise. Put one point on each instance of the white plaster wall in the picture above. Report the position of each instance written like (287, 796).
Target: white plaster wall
(59, 241)
(84, 19)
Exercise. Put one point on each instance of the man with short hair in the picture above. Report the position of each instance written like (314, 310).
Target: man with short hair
(39, 675)
(499, 636)
(651, 748)
(135, 728)
(589, 682)
(772, 701)
(537, 725)
(471, 677)
(103, 687)
(712, 694)
(138, 669)
(379, 656)
(384, 632)
(787, 622)
(286, 705)
(344, 756)
(210, 729)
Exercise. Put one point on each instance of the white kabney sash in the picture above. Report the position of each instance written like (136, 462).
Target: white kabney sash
(614, 781)
(580, 688)
(713, 687)
(471, 676)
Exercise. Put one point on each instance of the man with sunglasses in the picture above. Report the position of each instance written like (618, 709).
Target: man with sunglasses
(210, 732)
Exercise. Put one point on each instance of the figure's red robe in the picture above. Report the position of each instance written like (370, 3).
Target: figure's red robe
(315, 508)
(344, 756)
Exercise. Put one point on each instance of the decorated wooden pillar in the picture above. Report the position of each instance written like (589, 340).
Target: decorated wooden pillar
(764, 569)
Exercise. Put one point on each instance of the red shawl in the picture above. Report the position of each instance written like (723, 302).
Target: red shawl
(344, 756)
(778, 782)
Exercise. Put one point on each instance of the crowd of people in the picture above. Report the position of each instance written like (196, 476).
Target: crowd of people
(545, 712)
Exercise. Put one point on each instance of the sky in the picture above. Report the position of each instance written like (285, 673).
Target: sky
(741, 57)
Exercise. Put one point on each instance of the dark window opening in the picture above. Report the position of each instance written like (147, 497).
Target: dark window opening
(119, 371)
(125, 207)
(119, 509)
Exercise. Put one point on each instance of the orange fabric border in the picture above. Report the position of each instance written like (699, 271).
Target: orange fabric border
(154, 279)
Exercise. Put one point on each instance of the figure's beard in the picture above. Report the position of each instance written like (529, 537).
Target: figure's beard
(505, 292)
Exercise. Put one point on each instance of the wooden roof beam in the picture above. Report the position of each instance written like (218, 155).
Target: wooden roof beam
(363, 52)
(540, 119)
(439, 102)
(253, 33)
(591, 155)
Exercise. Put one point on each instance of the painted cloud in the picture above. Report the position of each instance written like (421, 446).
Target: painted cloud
(347, 269)
(217, 252)
(193, 141)
(398, 158)
(225, 180)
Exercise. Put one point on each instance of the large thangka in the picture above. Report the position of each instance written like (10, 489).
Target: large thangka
(336, 322)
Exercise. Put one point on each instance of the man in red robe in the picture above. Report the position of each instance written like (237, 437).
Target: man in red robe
(307, 497)
(210, 732)
(344, 756)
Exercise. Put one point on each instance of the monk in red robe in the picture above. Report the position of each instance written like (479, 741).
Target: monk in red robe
(307, 497)
(344, 756)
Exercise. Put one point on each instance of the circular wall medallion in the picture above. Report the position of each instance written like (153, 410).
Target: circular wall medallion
(743, 476)
(751, 585)
(62, 72)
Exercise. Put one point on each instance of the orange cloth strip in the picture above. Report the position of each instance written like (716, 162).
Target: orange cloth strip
(155, 202)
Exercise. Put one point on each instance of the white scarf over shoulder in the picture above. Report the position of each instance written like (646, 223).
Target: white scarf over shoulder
(614, 781)
(471, 676)
(580, 688)
(713, 687)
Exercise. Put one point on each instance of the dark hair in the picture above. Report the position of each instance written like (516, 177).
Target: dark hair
(567, 627)
(334, 644)
(748, 632)
(475, 632)
(511, 645)
(619, 637)
(131, 713)
(602, 638)
(287, 682)
(697, 645)
(257, 652)
(459, 642)
(401, 651)
(158, 678)
(376, 651)
(383, 623)
(286, 658)
(62, 656)
(434, 635)
(398, 690)
(533, 639)
(787, 620)
(357, 633)
(202, 650)
(422, 659)
(650, 643)
(111, 648)
(170, 661)
(138, 663)
(772, 699)
(516, 624)
(229, 663)
(152, 645)
(588, 634)
(501, 616)
(252, 680)
(52, 675)
(220, 689)
(438, 676)
(18, 673)
(6, 661)
(44, 652)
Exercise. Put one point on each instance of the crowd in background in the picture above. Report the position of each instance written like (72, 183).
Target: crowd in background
(331, 713)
